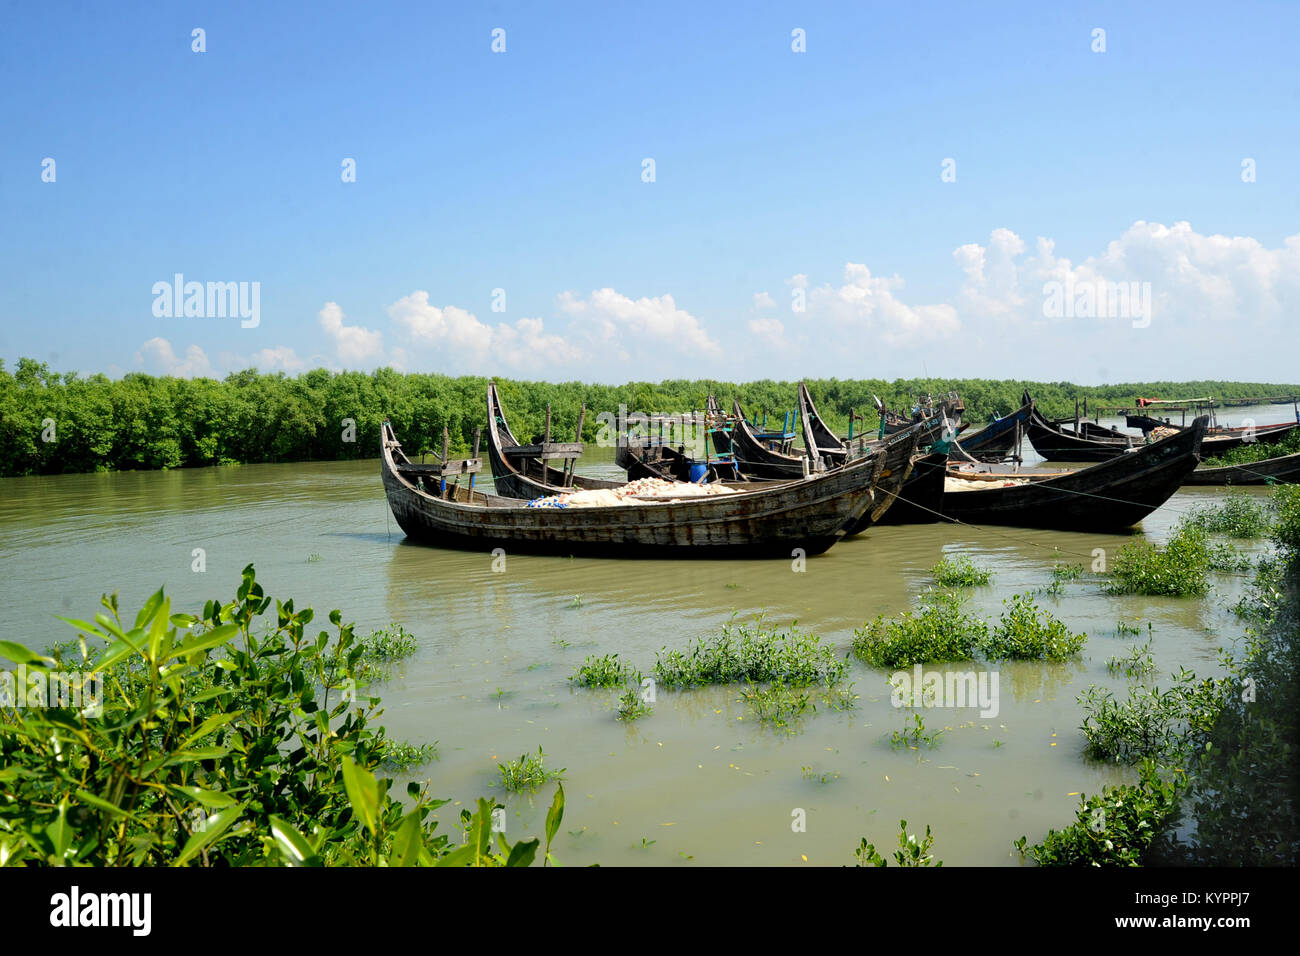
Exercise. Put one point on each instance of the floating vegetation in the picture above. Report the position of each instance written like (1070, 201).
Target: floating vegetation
(603, 671)
(1178, 569)
(313, 558)
(1125, 629)
(1137, 663)
(632, 705)
(1061, 574)
(778, 704)
(1027, 633)
(940, 630)
(382, 649)
(960, 572)
(910, 852)
(527, 773)
(1162, 725)
(401, 757)
(915, 734)
(1239, 515)
(825, 776)
(755, 654)
(576, 602)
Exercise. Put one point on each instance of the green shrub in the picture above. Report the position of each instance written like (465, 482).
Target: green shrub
(604, 671)
(1177, 569)
(1239, 515)
(230, 738)
(959, 572)
(910, 852)
(1027, 633)
(1115, 828)
(527, 773)
(758, 655)
(940, 630)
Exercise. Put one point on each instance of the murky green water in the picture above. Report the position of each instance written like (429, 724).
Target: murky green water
(700, 778)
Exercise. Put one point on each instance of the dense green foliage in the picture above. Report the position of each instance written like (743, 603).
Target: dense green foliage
(142, 421)
(960, 572)
(1239, 515)
(1177, 569)
(941, 630)
(230, 738)
(1256, 451)
(754, 654)
(1218, 752)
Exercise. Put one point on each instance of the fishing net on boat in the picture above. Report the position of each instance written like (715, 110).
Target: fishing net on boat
(638, 492)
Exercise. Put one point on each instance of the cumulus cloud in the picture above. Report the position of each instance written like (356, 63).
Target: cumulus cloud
(158, 357)
(763, 301)
(870, 305)
(1194, 280)
(474, 343)
(614, 321)
(353, 343)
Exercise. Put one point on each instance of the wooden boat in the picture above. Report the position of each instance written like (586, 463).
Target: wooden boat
(920, 499)
(1284, 469)
(1053, 441)
(768, 519)
(760, 459)
(999, 439)
(656, 459)
(900, 453)
(525, 471)
(1108, 496)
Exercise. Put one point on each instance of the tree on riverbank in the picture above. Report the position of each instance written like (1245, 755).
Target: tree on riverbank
(53, 422)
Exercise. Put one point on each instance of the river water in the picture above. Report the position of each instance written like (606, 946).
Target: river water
(699, 780)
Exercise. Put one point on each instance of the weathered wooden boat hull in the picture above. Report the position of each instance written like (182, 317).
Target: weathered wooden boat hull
(1109, 496)
(771, 520)
(920, 500)
(900, 455)
(1284, 470)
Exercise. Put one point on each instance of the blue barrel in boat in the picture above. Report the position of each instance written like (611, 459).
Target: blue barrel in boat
(699, 471)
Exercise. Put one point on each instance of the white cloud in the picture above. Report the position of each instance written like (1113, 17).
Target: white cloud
(471, 343)
(868, 306)
(611, 320)
(763, 301)
(158, 357)
(353, 343)
(770, 333)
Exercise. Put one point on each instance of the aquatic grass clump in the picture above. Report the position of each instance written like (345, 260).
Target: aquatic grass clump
(603, 671)
(939, 630)
(399, 757)
(382, 649)
(960, 572)
(778, 704)
(1239, 515)
(632, 703)
(1178, 569)
(915, 734)
(527, 773)
(1027, 633)
(757, 654)
(1137, 663)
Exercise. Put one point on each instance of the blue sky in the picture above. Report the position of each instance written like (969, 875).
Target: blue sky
(776, 173)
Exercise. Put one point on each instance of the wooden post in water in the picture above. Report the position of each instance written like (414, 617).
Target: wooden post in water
(1076, 414)
(446, 441)
(478, 436)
